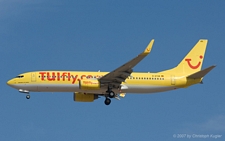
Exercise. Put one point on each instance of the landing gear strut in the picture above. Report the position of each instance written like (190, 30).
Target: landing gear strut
(110, 92)
(27, 96)
(107, 101)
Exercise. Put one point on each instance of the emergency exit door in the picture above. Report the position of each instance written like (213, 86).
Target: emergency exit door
(33, 77)
(173, 80)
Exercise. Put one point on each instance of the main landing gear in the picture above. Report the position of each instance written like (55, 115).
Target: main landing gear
(111, 94)
(107, 101)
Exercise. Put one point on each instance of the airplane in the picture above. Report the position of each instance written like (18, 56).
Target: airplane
(88, 86)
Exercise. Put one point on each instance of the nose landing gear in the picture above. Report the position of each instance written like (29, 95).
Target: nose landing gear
(27, 96)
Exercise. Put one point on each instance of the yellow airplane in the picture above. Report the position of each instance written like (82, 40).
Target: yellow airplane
(88, 86)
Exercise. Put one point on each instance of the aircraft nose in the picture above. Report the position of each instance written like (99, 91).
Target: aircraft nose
(10, 82)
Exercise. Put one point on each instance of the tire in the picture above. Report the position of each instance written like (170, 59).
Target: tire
(111, 94)
(107, 101)
(27, 96)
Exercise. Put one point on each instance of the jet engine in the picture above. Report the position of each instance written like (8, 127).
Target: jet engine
(81, 97)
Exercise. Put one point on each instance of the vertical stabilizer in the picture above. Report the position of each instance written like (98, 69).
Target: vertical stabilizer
(193, 61)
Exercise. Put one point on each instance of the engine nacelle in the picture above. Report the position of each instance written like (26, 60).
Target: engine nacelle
(81, 97)
(89, 84)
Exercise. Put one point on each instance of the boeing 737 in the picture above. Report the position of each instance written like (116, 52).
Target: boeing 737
(89, 86)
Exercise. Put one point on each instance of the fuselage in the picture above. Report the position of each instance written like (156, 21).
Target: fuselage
(68, 81)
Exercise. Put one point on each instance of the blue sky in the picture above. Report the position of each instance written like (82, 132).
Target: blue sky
(102, 35)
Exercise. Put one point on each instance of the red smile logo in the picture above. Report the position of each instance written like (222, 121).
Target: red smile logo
(192, 66)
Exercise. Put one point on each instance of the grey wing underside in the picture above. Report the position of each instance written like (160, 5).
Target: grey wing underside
(116, 77)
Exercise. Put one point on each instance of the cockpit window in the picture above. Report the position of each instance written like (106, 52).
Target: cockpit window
(19, 76)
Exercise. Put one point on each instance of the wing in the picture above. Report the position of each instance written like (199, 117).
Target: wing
(119, 75)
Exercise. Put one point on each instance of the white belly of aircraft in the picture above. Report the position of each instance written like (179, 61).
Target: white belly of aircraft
(75, 88)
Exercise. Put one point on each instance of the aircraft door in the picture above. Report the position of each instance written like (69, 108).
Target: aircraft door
(173, 80)
(33, 77)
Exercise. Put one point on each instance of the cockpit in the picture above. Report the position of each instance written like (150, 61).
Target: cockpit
(19, 76)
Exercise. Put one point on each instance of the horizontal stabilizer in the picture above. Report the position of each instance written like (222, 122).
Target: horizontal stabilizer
(201, 73)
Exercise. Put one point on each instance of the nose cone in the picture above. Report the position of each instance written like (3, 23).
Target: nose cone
(10, 82)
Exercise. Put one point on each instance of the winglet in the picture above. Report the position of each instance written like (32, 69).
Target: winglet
(148, 48)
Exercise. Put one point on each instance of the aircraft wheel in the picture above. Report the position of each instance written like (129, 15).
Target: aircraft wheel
(27, 96)
(107, 101)
(111, 94)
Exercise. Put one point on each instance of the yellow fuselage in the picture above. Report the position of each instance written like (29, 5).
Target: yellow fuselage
(88, 86)
(68, 81)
